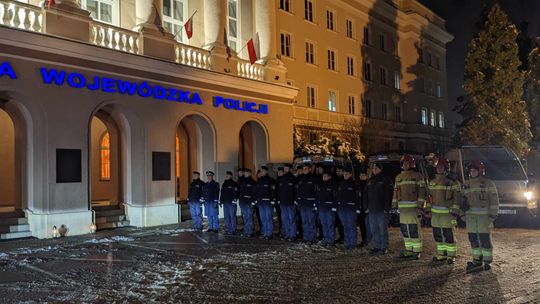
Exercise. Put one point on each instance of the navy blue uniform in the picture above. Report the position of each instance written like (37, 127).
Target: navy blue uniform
(265, 197)
(211, 198)
(326, 205)
(195, 198)
(348, 199)
(285, 196)
(305, 196)
(228, 198)
(247, 198)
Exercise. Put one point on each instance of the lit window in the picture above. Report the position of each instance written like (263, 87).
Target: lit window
(311, 96)
(382, 72)
(441, 120)
(105, 157)
(310, 53)
(367, 37)
(332, 101)
(285, 5)
(174, 17)
(352, 106)
(424, 117)
(308, 10)
(349, 25)
(106, 11)
(384, 111)
(397, 80)
(350, 66)
(330, 20)
(366, 108)
(233, 17)
(367, 71)
(331, 60)
(286, 44)
(432, 118)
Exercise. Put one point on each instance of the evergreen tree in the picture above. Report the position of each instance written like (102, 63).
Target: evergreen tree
(532, 94)
(493, 110)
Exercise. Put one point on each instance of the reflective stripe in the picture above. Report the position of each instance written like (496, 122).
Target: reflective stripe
(352, 204)
(265, 199)
(328, 202)
(407, 183)
(246, 196)
(310, 199)
(469, 190)
(438, 187)
(407, 204)
(440, 210)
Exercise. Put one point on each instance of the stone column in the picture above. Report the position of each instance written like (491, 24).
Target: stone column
(265, 26)
(153, 40)
(67, 19)
(215, 24)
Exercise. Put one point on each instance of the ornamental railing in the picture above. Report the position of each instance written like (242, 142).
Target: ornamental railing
(192, 56)
(113, 37)
(248, 70)
(21, 15)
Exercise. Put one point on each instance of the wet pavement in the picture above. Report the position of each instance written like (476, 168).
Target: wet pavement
(174, 264)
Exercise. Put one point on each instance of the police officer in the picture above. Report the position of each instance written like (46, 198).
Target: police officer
(444, 200)
(409, 197)
(247, 201)
(195, 198)
(285, 197)
(211, 199)
(265, 196)
(481, 206)
(348, 200)
(240, 173)
(327, 207)
(229, 199)
(305, 196)
(338, 178)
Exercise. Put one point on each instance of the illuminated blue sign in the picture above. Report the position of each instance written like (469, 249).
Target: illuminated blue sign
(143, 89)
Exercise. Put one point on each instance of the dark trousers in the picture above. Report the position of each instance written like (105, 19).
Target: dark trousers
(308, 223)
(266, 212)
(327, 218)
(348, 217)
(247, 216)
(229, 214)
(378, 222)
(288, 218)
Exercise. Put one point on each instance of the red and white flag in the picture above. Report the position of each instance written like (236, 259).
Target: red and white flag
(188, 26)
(50, 3)
(254, 50)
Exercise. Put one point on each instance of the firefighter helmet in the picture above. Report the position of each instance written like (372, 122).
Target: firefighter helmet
(443, 161)
(478, 165)
(408, 158)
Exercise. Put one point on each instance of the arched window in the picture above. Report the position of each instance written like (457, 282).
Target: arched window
(105, 157)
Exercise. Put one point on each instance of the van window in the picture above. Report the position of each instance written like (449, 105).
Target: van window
(504, 170)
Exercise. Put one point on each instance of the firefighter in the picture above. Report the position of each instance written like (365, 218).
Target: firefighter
(444, 199)
(247, 201)
(348, 201)
(195, 198)
(409, 199)
(229, 200)
(211, 199)
(326, 191)
(286, 196)
(305, 193)
(265, 196)
(481, 206)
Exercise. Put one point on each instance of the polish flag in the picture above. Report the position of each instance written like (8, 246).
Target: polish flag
(50, 3)
(189, 27)
(254, 50)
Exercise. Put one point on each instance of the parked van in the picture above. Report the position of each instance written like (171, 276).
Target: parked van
(505, 169)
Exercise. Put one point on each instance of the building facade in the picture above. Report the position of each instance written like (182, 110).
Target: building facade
(106, 106)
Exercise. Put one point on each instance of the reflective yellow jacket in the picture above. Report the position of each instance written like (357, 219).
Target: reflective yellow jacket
(481, 196)
(409, 187)
(445, 194)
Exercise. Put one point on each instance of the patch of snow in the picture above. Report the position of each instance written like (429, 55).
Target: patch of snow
(111, 240)
(3, 256)
(34, 250)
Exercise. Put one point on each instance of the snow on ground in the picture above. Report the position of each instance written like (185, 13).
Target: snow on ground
(111, 240)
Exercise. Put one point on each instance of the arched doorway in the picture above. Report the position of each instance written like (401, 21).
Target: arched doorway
(195, 151)
(10, 199)
(253, 150)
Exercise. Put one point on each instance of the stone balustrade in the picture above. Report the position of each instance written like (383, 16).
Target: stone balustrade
(20, 15)
(114, 37)
(248, 70)
(192, 56)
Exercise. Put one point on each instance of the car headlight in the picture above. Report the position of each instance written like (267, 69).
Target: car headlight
(528, 195)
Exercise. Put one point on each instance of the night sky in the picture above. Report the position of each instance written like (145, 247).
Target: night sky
(462, 17)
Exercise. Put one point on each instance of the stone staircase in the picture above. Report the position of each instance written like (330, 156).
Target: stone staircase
(110, 217)
(14, 225)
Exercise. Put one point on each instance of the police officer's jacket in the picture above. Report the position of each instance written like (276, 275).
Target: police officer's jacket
(265, 190)
(229, 191)
(444, 194)
(286, 189)
(211, 192)
(246, 193)
(409, 190)
(326, 192)
(348, 195)
(377, 194)
(481, 197)
(195, 192)
(306, 189)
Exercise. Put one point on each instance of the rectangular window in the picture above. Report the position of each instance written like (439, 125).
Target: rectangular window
(350, 66)
(330, 20)
(424, 117)
(397, 113)
(106, 11)
(395, 48)
(441, 120)
(429, 59)
(366, 108)
(331, 60)
(332, 101)
(382, 42)
(367, 37)
(421, 85)
(174, 16)
(311, 96)
(350, 26)
(285, 5)
(397, 80)
(308, 10)
(382, 74)
(432, 118)
(429, 87)
(367, 71)
(310, 53)
(233, 17)
(352, 106)
(286, 44)
(438, 63)
(384, 111)
(439, 90)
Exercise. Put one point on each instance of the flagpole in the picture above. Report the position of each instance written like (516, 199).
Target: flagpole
(183, 24)
(246, 44)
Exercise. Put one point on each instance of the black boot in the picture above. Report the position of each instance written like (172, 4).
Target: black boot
(487, 265)
(474, 266)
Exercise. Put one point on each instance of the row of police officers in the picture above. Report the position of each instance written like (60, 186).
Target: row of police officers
(320, 199)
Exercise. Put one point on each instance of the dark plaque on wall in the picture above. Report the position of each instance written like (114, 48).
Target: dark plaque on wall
(161, 166)
(68, 165)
